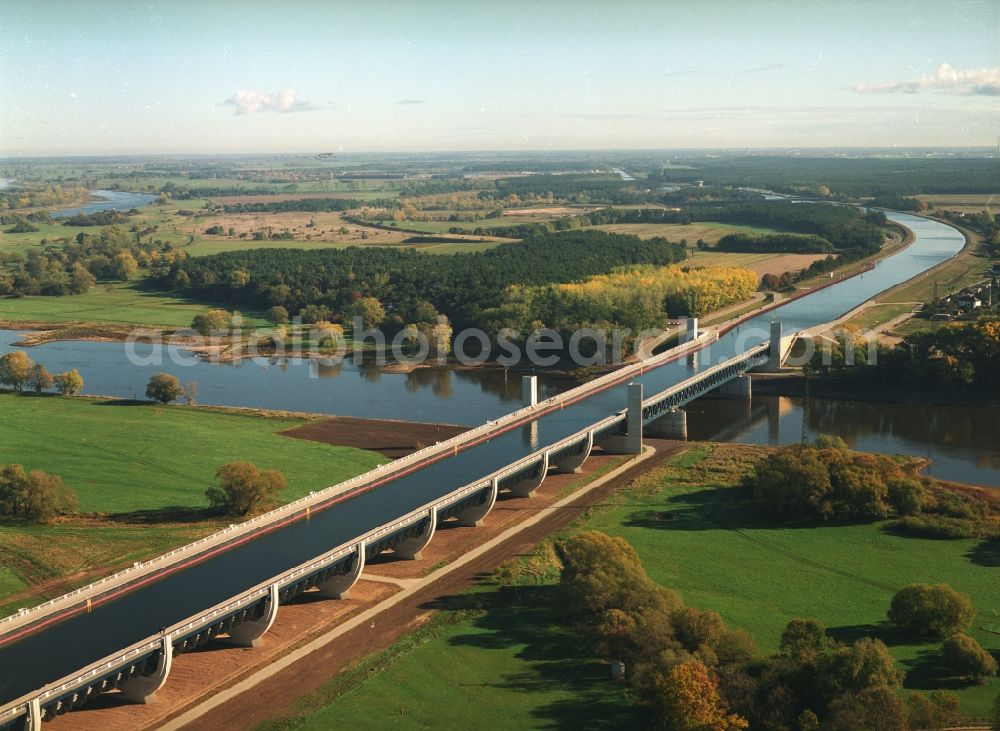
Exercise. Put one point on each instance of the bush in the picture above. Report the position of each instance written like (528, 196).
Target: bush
(36, 496)
(212, 321)
(68, 383)
(874, 709)
(937, 526)
(923, 610)
(826, 482)
(15, 369)
(966, 659)
(276, 315)
(164, 388)
(936, 710)
(602, 573)
(244, 489)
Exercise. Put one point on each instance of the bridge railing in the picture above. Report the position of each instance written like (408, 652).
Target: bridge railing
(747, 356)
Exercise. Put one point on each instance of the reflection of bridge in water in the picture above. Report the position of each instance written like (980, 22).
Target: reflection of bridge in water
(123, 631)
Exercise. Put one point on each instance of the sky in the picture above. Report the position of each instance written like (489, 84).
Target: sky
(99, 77)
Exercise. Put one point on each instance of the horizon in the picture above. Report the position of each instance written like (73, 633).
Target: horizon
(448, 77)
(986, 151)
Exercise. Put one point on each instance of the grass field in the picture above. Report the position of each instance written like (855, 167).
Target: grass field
(147, 467)
(964, 202)
(709, 232)
(123, 303)
(121, 457)
(504, 658)
(757, 263)
(759, 576)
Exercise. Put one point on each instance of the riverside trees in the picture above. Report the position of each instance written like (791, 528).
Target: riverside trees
(694, 672)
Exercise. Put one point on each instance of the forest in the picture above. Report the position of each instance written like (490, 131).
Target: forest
(639, 297)
(460, 286)
(775, 243)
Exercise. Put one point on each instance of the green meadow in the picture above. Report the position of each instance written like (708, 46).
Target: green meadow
(502, 647)
(114, 303)
(123, 457)
(144, 468)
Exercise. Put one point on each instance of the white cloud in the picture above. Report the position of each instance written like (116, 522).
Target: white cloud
(252, 102)
(983, 82)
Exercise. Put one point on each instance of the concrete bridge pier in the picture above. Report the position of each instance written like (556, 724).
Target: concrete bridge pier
(142, 688)
(631, 442)
(249, 632)
(32, 720)
(672, 425)
(692, 329)
(529, 390)
(737, 388)
(527, 488)
(472, 517)
(412, 548)
(776, 355)
(339, 587)
(574, 463)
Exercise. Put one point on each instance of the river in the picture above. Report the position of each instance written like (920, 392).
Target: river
(960, 441)
(117, 200)
(437, 394)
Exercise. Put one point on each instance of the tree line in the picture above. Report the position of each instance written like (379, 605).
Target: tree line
(460, 286)
(74, 266)
(20, 372)
(693, 672)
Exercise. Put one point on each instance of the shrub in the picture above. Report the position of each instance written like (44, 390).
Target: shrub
(69, 382)
(826, 482)
(164, 388)
(966, 659)
(36, 496)
(873, 709)
(15, 369)
(940, 526)
(923, 610)
(245, 489)
(936, 710)
(39, 379)
(601, 573)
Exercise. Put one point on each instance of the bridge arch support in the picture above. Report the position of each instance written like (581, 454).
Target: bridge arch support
(248, 632)
(472, 516)
(339, 586)
(412, 547)
(528, 486)
(574, 462)
(143, 688)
